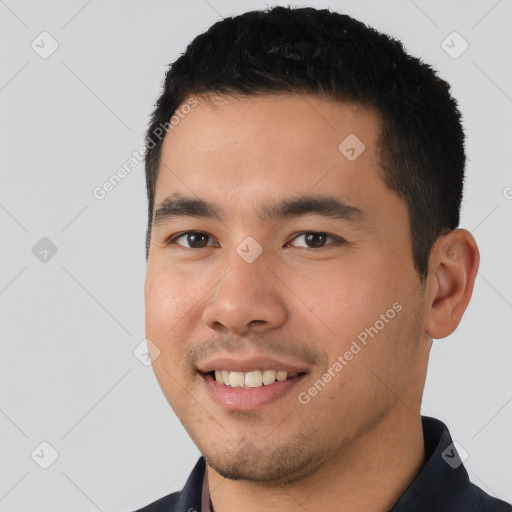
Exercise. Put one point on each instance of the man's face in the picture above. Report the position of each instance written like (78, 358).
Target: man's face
(306, 262)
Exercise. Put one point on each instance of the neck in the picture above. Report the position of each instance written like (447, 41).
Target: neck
(370, 477)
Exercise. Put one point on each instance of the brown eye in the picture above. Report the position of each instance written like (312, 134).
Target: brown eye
(193, 240)
(197, 240)
(315, 240)
(312, 240)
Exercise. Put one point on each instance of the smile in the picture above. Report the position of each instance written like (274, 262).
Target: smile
(253, 379)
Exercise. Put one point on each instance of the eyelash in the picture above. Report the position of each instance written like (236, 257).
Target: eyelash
(336, 240)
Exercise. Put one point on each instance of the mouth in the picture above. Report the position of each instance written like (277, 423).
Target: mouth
(252, 379)
(249, 391)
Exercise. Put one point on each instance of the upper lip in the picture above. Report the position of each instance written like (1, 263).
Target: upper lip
(249, 365)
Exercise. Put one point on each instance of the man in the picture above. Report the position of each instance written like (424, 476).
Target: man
(303, 252)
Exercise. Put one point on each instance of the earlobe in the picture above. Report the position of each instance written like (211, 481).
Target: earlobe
(454, 262)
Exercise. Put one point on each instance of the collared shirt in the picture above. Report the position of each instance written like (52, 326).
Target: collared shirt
(442, 485)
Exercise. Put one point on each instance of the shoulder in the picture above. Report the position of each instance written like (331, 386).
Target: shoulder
(165, 504)
(488, 503)
(188, 499)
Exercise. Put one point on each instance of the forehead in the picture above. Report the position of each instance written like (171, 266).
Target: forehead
(301, 121)
(242, 152)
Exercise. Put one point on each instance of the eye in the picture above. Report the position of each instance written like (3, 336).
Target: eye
(314, 239)
(193, 240)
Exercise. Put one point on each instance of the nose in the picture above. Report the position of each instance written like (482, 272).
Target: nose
(247, 299)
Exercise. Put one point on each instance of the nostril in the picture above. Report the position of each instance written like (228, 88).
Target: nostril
(257, 322)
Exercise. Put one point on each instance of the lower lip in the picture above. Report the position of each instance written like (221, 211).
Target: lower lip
(249, 399)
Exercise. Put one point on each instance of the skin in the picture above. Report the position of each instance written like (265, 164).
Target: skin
(358, 444)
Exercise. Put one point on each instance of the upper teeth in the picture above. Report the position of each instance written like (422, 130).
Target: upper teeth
(252, 379)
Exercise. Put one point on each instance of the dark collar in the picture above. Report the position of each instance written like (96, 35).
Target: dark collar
(442, 485)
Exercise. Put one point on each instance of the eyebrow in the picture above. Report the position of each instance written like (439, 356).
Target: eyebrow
(177, 205)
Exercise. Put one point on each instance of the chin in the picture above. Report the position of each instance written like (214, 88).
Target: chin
(269, 467)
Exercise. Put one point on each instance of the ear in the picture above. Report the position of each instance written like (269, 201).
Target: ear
(453, 266)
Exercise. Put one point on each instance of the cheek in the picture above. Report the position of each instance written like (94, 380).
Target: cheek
(169, 311)
(171, 308)
(342, 300)
(359, 314)
(170, 298)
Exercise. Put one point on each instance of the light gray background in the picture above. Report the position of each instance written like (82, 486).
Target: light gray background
(69, 326)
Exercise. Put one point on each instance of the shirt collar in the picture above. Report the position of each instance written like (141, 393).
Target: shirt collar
(442, 481)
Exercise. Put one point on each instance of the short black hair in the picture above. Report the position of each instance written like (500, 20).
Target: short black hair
(288, 50)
